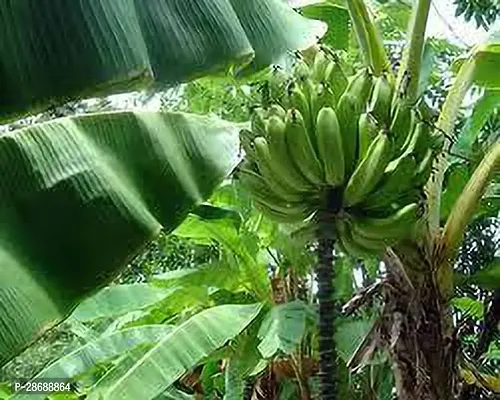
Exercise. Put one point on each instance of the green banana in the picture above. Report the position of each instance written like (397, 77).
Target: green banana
(348, 243)
(301, 70)
(258, 121)
(275, 110)
(267, 202)
(369, 171)
(380, 105)
(348, 112)
(300, 101)
(419, 141)
(331, 152)
(336, 79)
(282, 214)
(267, 170)
(396, 226)
(258, 186)
(402, 124)
(301, 149)
(283, 165)
(323, 98)
(397, 178)
(319, 66)
(368, 130)
(361, 85)
(424, 169)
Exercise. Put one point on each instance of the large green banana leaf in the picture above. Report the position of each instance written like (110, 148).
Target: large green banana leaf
(55, 50)
(98, 351)
(178, 352)
(82, 195)
(116, 300)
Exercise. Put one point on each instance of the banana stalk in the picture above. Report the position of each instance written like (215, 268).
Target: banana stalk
(463, 211)
(327, 306)
(445, 125)
(409, 72)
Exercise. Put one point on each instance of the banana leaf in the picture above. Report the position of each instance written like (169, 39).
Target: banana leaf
(53, 51)
(178, 352)
(82, 195)
(100, 350)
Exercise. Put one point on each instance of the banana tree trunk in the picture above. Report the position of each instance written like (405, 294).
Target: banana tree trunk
(416, 331)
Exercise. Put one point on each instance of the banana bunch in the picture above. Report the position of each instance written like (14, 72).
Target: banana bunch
(355, 139)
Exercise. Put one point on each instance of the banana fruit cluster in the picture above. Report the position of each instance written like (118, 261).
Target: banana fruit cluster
(355, 139)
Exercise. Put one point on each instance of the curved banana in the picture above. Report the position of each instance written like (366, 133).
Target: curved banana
(324, 98)
(283, 165)
(419, 141)
(402, 124)
(319, 67)
(369, 171)
(348, 112)
(301, 102)
(380, 105)
(258, 121)
(246, 143)
(424, 169)
(267, 170)
(282, 213)
(258, 186)
(301, 149)
(361, 85)
(396, 226)
(331, 152)
(337, 80)
(275, 110)
(397, 178)
(348, 243)
(368, 131)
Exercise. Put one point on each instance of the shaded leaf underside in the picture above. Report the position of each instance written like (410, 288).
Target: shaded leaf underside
(81, 196)
(56, 50)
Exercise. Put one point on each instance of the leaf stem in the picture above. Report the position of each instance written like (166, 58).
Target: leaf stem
(466, 204)
(409, 73)
(445, 125)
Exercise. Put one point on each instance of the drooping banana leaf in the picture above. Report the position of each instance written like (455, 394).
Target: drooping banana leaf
(116, 300)
(80, 196)
(56, 50)
(178, 352)
(486, 58)
(104, 348)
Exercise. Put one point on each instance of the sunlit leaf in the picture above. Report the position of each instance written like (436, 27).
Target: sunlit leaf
(482, 110)
(469, 307)
(283, 328)
(97, 351)
(488, 277)
(117, 300)
(180, 350)
(338, 22)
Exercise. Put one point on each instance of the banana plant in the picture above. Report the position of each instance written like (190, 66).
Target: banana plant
(424, 266)
(82, 195)
(274, 349)
(362, 163)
